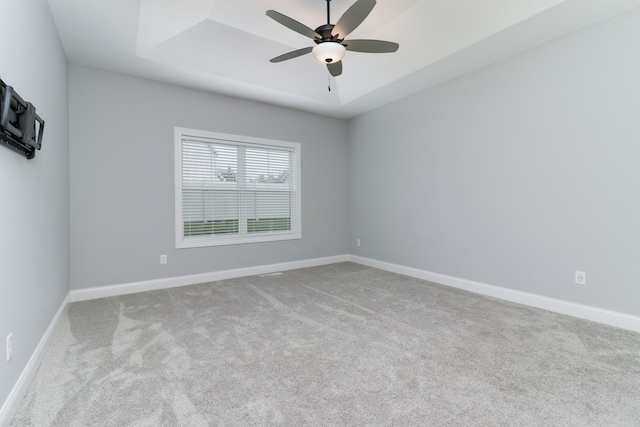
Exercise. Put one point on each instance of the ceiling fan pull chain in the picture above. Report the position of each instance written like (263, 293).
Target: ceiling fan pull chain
(329, 83)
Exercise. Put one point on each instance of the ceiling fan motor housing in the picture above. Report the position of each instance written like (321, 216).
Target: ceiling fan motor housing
(329, 48)
(325, 31)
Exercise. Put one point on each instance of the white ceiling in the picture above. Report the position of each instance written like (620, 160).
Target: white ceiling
(225, 46)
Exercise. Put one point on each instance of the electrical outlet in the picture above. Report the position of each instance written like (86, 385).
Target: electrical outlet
(357, 242)
(9, 347)
(163, 259)
(581, 278)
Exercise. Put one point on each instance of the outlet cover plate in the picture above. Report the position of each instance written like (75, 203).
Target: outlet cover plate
(9, 346)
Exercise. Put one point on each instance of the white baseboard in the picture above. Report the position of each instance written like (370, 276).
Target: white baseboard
(10, 406)
(14, 399)
(595, 314)
(172, 282)
(608, 317)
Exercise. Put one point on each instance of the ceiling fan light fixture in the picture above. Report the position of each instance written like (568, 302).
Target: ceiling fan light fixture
(329, 52)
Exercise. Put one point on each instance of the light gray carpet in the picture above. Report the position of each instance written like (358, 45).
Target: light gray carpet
(338, 345)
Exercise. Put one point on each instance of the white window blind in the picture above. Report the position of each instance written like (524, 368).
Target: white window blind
(233, 189)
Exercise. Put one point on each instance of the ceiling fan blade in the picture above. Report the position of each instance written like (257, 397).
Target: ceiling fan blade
(371, 46)
(291, 55)
(292, 24)
(335, 68)
(353, 17)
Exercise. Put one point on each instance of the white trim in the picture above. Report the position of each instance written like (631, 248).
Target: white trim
(172, 282)
(242, 237)
(11, 405)
(595, 314)
(617, 319)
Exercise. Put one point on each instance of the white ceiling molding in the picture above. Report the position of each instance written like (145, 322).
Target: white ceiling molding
(225, 46)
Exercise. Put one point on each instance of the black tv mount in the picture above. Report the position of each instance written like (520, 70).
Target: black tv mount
(20, 127)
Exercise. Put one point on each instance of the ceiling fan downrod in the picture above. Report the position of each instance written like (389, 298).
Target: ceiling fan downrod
(325, 31)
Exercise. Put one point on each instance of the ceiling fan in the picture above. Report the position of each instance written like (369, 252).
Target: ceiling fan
(331, 45)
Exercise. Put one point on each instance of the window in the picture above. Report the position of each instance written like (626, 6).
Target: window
(235, 189)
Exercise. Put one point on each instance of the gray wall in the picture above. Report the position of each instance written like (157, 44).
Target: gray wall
(34, 204)
(122, 178)
(515, 175)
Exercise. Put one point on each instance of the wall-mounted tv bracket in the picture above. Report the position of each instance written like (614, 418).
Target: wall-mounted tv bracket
(20, 127)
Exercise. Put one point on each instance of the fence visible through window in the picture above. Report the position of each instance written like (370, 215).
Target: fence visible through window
(230, 189)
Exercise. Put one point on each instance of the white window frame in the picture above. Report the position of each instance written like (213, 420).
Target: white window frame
(240, 238)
